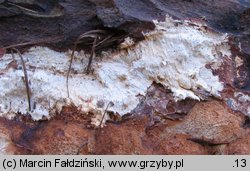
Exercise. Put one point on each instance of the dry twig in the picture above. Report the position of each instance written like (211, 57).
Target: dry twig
(47, 40)
(98, 40)
(28, 91)
(103, 116)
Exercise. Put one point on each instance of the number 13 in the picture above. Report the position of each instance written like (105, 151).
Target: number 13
(241, 163)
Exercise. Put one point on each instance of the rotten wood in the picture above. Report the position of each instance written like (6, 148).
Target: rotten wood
(130, 17)
(22, 25)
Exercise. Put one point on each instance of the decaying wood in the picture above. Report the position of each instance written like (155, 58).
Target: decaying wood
(20, 26)
(159, 124)
(121, 16)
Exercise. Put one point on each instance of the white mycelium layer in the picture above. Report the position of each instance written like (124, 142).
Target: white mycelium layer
(174, 55)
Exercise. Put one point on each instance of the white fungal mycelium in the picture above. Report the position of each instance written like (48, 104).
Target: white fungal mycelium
(175, 54)
(238, 103)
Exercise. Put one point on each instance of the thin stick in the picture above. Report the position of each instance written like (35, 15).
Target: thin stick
(103, 116)
(70, 65)
(33, 13)
(89, 34)
(110, 103)
(92, 32)
(104, 40)
(22, 8)
(71, 60)
(25, 77)
(33, 42)
(91, 56)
